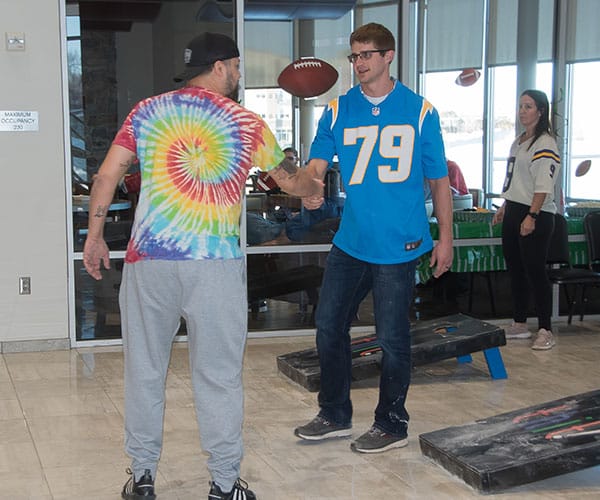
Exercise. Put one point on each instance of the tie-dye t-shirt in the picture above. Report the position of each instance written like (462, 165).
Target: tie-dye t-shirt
(195, 149)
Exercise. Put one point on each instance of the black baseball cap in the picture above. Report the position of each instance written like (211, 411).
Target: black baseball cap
(205, 50)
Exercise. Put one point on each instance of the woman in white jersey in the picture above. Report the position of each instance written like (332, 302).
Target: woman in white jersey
(527, 217)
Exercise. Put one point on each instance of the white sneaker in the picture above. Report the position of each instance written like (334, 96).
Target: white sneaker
(543, 340)
(517, 331)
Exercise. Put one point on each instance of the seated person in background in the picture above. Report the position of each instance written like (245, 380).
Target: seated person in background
(319, 225)
(267, 185)
(291, 154)
(286, 226)
(457, 181)
(260, 230)
(298, 227)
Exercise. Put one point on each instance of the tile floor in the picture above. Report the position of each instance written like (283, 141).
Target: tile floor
(61, 417)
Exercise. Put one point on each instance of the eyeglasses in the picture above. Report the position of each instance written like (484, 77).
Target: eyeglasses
(365, 54)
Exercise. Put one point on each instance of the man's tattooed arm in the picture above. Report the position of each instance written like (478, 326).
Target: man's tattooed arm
(297, 181)
(101, 210)
(287, 169)
(124, 165)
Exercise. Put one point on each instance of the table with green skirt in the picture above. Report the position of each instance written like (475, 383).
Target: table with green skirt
(478, 247)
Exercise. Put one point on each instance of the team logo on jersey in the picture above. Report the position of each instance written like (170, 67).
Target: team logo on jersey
(412, 245)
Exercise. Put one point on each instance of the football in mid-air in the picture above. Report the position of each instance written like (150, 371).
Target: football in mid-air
(467, 77)
(583, 168)
(307, 77)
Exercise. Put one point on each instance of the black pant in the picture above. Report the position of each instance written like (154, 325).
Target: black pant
(526, 262)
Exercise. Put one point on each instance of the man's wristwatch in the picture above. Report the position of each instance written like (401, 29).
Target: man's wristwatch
(533, 215)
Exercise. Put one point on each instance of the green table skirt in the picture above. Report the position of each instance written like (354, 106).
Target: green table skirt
(485, 257)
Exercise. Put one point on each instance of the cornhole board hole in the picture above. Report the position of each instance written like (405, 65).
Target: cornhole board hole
(455, 336)
(521, 446)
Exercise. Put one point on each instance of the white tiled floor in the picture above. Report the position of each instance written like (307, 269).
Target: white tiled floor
(61, 425)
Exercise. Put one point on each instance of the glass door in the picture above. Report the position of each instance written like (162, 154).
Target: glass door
(118, 54)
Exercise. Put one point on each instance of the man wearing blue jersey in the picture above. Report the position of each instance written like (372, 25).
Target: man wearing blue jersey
(388, 141)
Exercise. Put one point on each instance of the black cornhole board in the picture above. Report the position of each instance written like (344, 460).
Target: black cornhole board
(455, 336)
(516, 448)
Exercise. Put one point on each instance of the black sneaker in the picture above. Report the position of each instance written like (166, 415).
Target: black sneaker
(375, 441)
(142, 489)
(320, 428)
(239, 491)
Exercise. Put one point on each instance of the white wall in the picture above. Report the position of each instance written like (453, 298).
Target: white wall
(32, 186)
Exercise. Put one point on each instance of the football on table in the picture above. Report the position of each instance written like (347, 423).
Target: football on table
(307, 77)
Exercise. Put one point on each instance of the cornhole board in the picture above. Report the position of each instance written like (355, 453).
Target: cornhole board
(455, 336)
(521, 446)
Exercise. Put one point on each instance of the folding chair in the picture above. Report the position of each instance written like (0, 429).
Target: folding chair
(560, 271)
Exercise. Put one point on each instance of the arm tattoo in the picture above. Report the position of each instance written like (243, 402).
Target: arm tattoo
(100, 211)
(126, 164)
(288, 166)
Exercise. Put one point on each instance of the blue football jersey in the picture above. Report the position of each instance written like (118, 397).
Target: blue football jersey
(385, 152)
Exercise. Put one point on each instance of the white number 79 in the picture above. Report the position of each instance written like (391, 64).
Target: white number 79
(396, 142)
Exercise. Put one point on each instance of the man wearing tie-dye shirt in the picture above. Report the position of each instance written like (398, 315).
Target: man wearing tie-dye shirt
(195, 147)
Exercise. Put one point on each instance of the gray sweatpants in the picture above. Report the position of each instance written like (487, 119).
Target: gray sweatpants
(211, 296)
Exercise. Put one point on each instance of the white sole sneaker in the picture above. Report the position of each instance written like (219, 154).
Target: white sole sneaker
(341, 433)
(320, 428)
(517, 331)
(524, 335)
(396, 444)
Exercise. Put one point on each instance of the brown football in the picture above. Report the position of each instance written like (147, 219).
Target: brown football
(467, 77)
(583, 168)
(307, 77)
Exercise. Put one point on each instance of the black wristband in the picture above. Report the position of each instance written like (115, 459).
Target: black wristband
(533, 215)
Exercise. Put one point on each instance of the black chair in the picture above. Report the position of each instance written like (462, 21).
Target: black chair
(560, 271)
(591, 228)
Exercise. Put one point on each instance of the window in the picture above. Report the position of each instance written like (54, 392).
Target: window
(461, 118)
(78, 148)
(504, 105)
(275, 107)
(583, 133)
(504, 114)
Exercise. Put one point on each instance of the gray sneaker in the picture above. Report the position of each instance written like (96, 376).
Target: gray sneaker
(375, 441)
(320, 428)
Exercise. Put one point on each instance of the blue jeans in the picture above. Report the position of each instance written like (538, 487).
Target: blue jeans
(346, 282)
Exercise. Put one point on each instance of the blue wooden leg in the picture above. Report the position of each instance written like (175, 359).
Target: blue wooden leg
(495, 363)
(464, 359)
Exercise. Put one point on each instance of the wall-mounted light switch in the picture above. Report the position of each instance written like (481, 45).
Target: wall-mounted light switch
(24, 285)
(15, 40)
